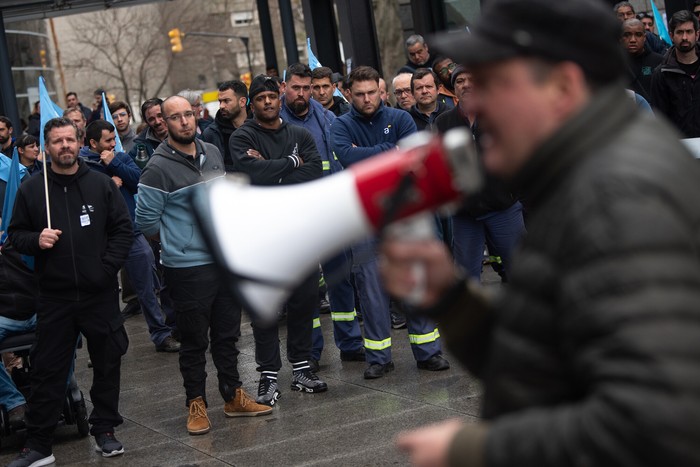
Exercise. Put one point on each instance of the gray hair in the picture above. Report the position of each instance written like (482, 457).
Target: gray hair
(632, 22)
(400, 75)
(414, 39)
(191, 95)
(621, 4)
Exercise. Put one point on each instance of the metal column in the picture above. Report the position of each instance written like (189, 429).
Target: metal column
(322, 28)
(268, 37)
(357, 29)
(290, 38)
(8, 99)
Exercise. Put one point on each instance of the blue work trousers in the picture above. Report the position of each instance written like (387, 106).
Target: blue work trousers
(374, 301)
(341, 295)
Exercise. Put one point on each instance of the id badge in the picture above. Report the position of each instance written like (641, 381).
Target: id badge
(84, 220)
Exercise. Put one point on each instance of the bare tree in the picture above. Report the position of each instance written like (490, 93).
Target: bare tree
(128, 48)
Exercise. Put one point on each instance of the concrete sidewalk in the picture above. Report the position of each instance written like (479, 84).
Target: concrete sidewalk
(353, 424)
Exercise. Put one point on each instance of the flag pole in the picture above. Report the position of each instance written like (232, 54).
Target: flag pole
(46, 189)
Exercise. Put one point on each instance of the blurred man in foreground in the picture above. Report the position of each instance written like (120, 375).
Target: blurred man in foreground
(586, 357)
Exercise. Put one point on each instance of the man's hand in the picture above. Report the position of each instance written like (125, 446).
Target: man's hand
(397, 265)
(117, 181)
(254, 153)
(106, 157)
(48, 238)
(429, 446)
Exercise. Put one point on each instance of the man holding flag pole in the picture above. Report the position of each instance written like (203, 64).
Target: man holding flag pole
(77, 258)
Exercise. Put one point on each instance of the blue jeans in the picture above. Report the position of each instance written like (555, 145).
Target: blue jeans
(10, 397)
(503, 229)
(140, 266)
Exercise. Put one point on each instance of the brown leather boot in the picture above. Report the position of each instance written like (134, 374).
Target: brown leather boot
(198, 421)
(244, 406)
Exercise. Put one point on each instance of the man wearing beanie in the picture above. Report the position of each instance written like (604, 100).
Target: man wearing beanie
(273, 152)
(589, 356)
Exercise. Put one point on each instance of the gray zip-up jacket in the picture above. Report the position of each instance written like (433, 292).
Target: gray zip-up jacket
(163, 204)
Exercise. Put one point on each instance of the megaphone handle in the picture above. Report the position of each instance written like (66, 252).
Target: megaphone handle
(418, 227)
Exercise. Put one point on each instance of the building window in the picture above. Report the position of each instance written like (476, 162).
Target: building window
(242, 18)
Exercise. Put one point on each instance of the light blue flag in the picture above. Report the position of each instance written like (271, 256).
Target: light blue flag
(49, 109)
(314, 63)
(663, 31)
(108, 117)
(14, 177)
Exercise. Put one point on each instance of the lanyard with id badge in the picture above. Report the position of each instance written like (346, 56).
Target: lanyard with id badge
(85, 216)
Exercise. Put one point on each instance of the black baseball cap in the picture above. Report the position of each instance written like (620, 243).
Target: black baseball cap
(582, 31)
(262, 83)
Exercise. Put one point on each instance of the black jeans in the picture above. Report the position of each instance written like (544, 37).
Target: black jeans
(58, 325)
(204, 308)
(300, 309)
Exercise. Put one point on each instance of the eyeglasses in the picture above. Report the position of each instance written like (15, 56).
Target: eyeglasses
(446, 69)
(119, 114)
(177, 117)
(401, 91)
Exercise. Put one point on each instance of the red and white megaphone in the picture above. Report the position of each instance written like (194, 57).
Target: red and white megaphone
(268, 239)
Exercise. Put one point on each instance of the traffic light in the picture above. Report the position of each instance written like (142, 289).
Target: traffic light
(175, 39)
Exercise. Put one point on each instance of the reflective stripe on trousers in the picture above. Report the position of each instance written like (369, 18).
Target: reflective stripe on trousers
(418, 339)
(377, 345)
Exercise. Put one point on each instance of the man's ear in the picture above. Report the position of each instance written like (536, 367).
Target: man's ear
(569, 87)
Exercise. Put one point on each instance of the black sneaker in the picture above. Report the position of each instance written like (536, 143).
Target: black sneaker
(434, 363)
(108, 445)
(398, 320)
(314, 365)
(377, 370)
(267, 389)
(305, 380)
(31, 458)
(132, 308)
(169, 345)
(356, 356)
(323, 306)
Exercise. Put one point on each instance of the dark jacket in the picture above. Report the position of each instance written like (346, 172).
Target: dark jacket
(641, 68)
(218, 133)
(369, 136)
(97, 234)
(121, 166)
(340, 106)
(128, 140)
(34, 125)
(592, 356)
(279, 148)
(677, 95)
(494, 196)
(423, 121)
(317, 121)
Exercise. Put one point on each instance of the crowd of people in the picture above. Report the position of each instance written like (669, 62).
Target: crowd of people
(545, 107)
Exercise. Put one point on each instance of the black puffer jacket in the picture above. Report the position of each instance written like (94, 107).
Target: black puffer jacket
(592, 355)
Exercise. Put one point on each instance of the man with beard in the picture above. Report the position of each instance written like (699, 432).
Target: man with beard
(443, 68)
(299, 109)
(140, 265)
(642, 61)
(233, 97)
(76, 116)
(676, 83)
(6, 139)
(121, 114)
(273, 152)
(155, 132)
(76, 265)
(204, 305)
(368, 129)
